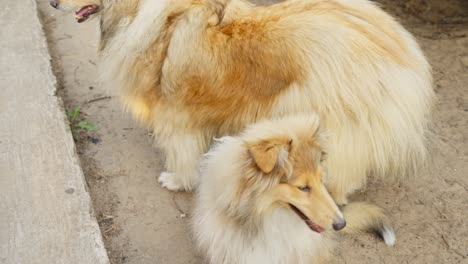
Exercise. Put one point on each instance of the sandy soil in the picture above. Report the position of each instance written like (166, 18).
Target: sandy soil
(143, 223)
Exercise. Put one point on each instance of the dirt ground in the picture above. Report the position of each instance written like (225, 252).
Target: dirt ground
(143, 223)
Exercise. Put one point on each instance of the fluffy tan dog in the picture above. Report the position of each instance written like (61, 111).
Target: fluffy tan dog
(195, 69)
(262, 198)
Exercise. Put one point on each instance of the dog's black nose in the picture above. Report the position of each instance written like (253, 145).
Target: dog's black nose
(53, 3)
(339, 224)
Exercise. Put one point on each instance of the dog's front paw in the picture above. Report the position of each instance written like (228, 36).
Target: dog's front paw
(170, 181)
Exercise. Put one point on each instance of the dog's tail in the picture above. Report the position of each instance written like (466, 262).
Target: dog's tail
(361, 217)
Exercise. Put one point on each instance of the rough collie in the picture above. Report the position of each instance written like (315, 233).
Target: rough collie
(262, 198)
(192, 70)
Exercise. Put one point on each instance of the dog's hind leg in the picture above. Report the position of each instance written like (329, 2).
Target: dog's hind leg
(348, 161)
(341, 187)
(183, 152)
(343, 179)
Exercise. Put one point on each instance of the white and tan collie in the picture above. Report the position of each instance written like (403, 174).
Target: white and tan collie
(192, 70)
(262, 198)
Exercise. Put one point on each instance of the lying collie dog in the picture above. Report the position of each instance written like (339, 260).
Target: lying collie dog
(262, 198)
(196, 69)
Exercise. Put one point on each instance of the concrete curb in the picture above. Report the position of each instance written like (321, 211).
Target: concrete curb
(46, 214)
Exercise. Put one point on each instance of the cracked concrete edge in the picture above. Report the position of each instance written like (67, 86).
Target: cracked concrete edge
(46, 214)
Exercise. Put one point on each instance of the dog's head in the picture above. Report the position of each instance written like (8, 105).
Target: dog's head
(83, 9)
(290, 155)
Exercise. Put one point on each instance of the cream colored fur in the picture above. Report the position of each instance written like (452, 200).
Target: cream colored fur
(239, 218)
(275, 233)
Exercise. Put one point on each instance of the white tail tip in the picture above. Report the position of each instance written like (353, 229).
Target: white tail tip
(388, 235)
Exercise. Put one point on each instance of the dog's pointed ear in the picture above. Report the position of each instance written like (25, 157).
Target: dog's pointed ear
(266, 153)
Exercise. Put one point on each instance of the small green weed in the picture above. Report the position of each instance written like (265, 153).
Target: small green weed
(77, 124)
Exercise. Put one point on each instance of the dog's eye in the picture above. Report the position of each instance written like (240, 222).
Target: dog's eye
(304, 188)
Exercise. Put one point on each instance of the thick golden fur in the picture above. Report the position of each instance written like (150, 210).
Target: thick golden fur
(195, 69)
(243, 212)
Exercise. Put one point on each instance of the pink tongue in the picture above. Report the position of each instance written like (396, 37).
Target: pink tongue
(314, 226)
(84, 11)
